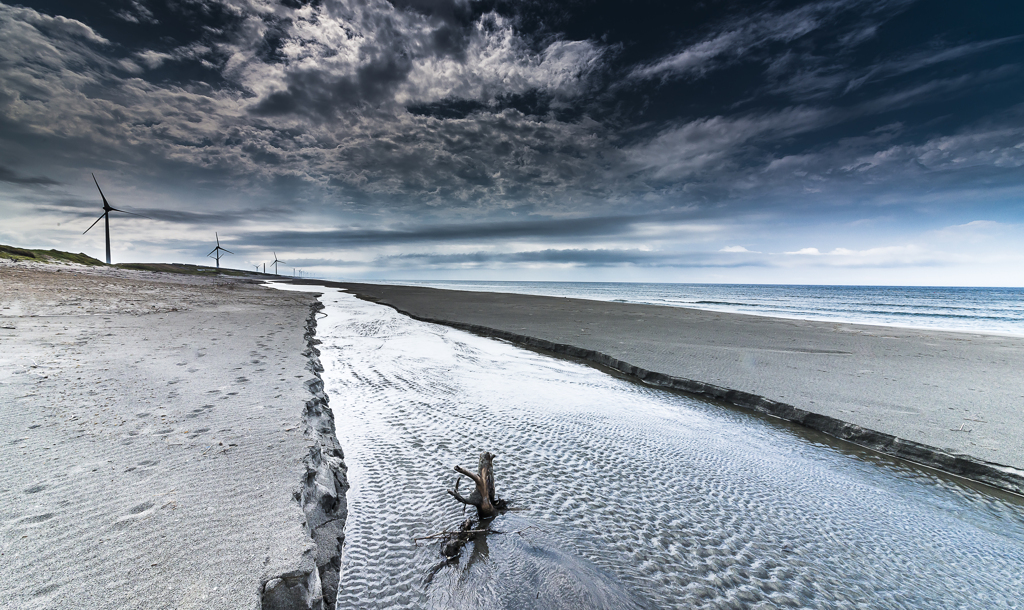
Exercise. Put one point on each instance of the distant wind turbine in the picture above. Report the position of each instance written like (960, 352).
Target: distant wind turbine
(216, 251)
(275, 263)
(105, 216)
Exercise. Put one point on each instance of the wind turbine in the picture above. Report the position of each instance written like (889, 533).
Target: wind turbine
(275, 263)
(218, 249)
(105, 216)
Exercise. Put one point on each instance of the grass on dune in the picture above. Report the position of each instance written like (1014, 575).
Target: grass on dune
(59, 256)
(46, 256)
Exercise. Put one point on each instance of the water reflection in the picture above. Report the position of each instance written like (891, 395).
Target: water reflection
(641, 498)
(525, 571)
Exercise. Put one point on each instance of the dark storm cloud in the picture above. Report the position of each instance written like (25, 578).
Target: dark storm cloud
(85, 208)
(325, 97)
(737, 39)
(452, 120)
(136, 12)
(549, 229)
(9, 175)
(578, 257)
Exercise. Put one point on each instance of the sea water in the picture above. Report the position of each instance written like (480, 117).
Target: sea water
(986, 310)
(626, 496)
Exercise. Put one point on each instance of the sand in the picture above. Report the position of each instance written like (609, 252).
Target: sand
(165, 440)
(949, 400)
(159, 442)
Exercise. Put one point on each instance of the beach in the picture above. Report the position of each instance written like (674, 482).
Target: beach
(165, 443)
(948, 400)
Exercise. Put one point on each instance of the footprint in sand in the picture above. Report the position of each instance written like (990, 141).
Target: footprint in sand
(140, 508)
(35, 489)
(45, 590)
(36, 518)
(135, 513)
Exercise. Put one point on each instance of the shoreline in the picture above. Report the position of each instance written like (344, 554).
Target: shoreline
(918, 436)
(701, 306)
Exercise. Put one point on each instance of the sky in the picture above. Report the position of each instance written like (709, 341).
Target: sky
(873, 142)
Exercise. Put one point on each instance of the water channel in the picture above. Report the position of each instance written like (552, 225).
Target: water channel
(627, 496)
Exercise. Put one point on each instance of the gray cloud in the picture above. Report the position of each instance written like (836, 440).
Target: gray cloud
(580, 257)
(474, 232)
(737, 38)
(923, 59)
(9, 175)
(137, 13)
(331, 112)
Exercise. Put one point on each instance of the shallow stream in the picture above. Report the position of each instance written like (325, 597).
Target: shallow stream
(629, 496)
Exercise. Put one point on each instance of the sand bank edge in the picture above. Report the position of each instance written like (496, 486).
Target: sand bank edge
(321, 495)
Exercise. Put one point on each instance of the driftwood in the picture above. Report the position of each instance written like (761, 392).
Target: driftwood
(483, 497)
(453, 545)
(488, 505)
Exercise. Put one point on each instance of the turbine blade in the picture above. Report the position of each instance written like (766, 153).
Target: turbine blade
(226, 250)
(94, 224)
(218, 238)
(211, 252)
(105, 204)
(132, 213)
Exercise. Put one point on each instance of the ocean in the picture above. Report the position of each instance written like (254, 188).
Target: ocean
(982, 310)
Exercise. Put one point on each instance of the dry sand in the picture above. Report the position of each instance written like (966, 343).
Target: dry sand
(949, 400)
(159, 442)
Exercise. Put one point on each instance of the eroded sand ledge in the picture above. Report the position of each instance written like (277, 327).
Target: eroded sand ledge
(947, 400)
(160, 444)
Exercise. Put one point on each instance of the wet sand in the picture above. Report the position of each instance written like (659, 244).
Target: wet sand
(155, 434)
(948, 400)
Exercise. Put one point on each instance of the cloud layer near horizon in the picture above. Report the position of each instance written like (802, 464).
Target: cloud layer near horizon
(424, 135)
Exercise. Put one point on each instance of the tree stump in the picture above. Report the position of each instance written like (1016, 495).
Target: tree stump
(483, 497)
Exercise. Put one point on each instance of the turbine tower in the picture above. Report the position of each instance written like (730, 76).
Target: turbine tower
(275, 263)
(216, 251)
(105, 216)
